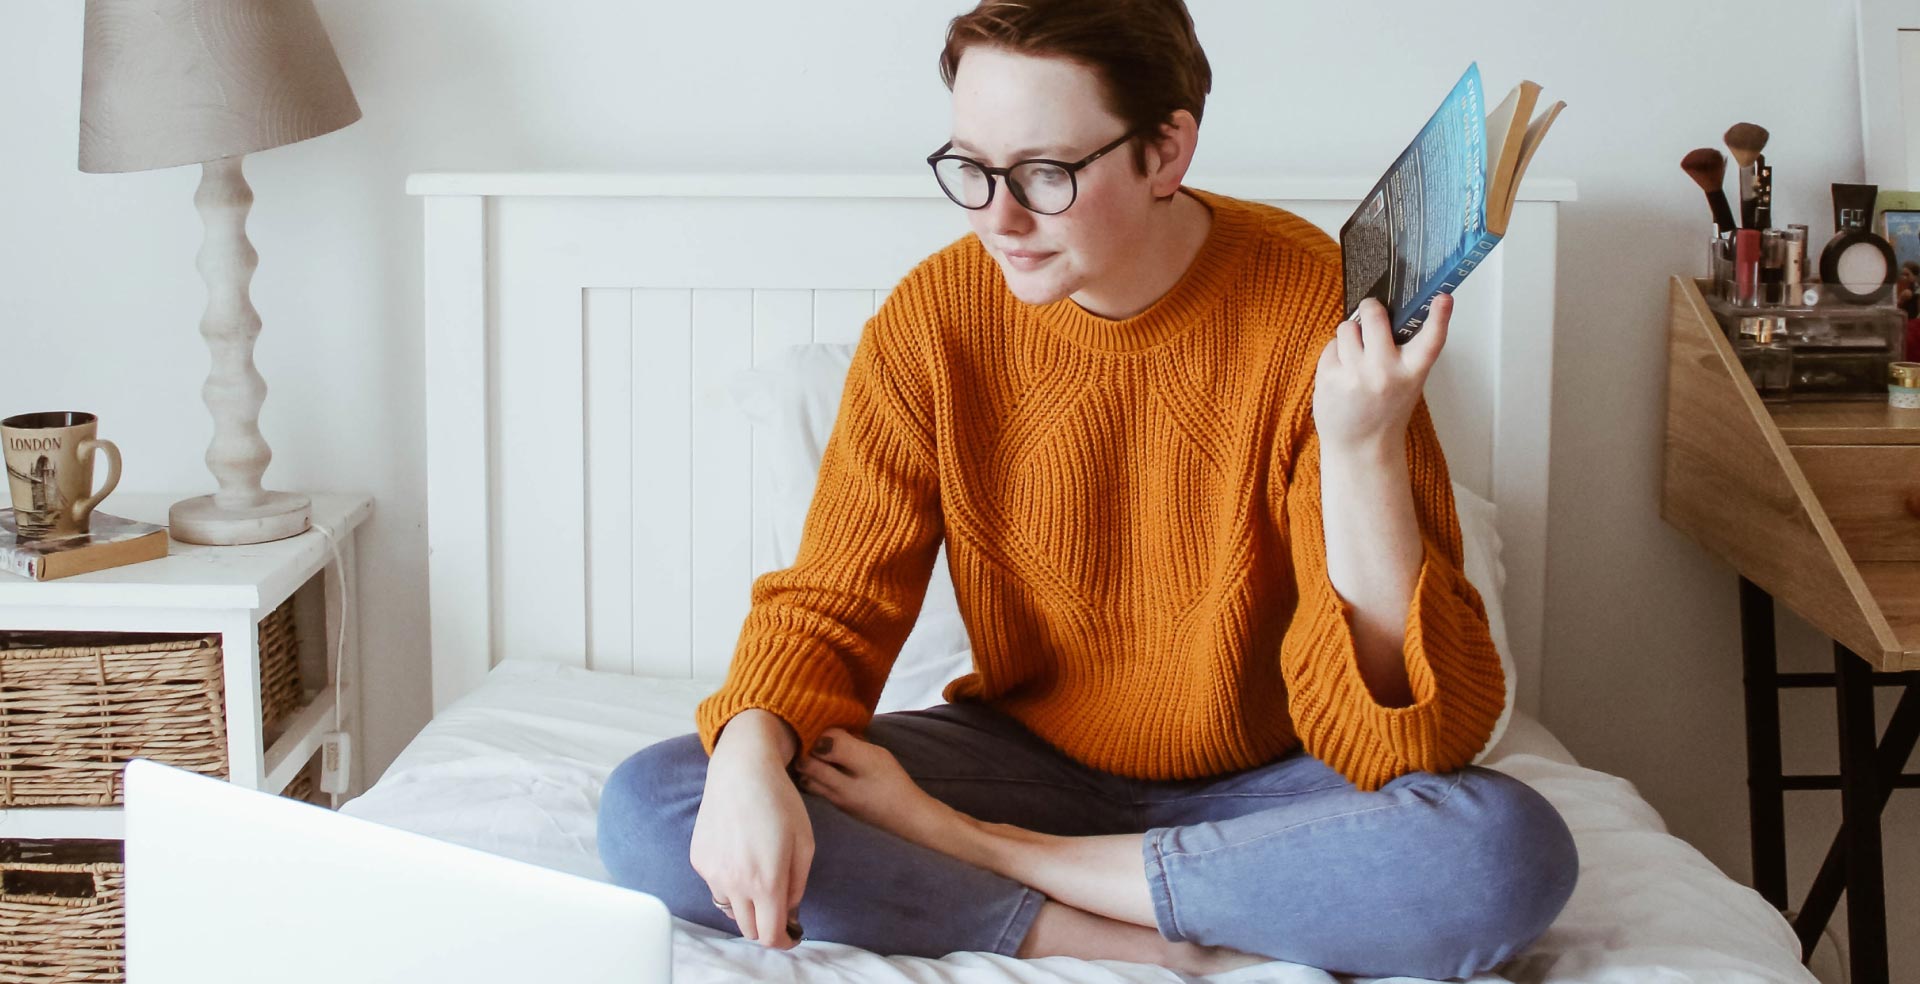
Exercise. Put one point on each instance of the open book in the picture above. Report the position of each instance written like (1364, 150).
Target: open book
(1439, 209)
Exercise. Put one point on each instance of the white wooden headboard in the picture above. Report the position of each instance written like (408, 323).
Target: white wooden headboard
(588, 480)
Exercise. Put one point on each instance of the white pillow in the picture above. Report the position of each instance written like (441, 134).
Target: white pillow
(791, 400)
(1480, 546)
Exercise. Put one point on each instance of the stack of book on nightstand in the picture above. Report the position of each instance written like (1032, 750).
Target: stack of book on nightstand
(111, 542)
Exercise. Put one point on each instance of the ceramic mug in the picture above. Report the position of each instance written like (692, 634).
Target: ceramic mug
(50, 470)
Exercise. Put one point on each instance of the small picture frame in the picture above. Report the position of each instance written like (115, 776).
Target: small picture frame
(1901, 229)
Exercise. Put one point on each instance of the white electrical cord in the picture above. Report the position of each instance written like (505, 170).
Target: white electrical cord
(339, 667)
(1830, 965)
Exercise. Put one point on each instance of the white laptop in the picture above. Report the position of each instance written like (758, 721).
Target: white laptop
(226, 884)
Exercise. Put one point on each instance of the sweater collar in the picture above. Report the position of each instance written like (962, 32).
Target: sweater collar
(1176, 311)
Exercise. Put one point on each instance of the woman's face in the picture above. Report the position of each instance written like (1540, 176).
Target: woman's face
(1009, 107)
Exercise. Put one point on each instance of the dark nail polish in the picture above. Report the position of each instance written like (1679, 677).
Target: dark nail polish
(823, 746)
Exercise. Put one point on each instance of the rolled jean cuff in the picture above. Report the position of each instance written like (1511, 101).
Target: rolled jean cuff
(1022, 920)
(1157, 887)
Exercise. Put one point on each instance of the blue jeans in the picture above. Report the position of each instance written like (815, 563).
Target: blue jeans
(1431, 876)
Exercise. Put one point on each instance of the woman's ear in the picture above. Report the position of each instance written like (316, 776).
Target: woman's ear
(1170, 152)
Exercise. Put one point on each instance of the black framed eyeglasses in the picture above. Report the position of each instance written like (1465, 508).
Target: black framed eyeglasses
(1047, 187)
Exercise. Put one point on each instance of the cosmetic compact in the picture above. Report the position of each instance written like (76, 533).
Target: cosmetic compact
(1856, 266)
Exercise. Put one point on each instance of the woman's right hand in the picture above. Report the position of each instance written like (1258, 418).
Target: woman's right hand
(752, 840)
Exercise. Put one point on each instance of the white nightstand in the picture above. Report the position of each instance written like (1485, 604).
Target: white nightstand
(227, 590)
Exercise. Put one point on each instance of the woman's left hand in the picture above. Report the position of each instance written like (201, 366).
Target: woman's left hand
(1366, 387)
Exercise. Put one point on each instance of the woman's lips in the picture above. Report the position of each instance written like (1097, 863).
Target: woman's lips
(1024, 260)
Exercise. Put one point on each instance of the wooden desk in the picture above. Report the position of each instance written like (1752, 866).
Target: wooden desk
(1816, 505)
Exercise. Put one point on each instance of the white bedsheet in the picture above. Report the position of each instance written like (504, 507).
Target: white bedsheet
(515, 768)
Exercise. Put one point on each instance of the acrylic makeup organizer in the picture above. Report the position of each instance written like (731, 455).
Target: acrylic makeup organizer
(1796, 337)
(1829, 350)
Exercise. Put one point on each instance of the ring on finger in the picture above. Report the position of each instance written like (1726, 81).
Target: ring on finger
(726, 907)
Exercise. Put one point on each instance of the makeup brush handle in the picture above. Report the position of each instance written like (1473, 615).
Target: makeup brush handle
(1722, 214)
(1746, 196)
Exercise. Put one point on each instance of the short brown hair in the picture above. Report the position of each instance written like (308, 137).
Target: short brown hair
(1143, 51)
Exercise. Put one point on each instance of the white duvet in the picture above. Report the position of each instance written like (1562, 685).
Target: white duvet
(515, 769)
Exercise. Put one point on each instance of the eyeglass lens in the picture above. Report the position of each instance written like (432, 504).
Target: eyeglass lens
(1045, 188)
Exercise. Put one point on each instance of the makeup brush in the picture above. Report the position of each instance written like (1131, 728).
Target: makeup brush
(1745, 141)
(1708, 169)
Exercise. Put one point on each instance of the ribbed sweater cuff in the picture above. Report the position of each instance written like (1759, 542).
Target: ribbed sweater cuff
(797, 679)
(1452, 669)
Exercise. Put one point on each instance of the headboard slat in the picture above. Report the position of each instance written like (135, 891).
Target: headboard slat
(609, 352)
(722, 469)
(661, 519)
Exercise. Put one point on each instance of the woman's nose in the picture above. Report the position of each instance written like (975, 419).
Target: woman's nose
(1005, 213)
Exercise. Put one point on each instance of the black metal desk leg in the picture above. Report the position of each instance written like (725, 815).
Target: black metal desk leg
(1766, 799)
(1860, 811)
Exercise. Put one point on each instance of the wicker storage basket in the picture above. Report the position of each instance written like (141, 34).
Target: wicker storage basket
(305, 786)
(75, 706)
(62, 911)
(63, 904)
(280, 691)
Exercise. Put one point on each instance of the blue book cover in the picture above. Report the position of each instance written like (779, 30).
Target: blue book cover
(1436, 214)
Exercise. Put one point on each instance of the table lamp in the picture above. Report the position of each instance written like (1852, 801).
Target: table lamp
(170, 82)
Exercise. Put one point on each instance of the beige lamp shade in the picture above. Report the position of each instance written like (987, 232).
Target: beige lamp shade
(168, 82)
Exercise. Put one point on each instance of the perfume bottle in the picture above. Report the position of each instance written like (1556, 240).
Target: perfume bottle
(1764, 353)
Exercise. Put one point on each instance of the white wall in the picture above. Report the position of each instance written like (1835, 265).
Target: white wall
(99, 294)
(1908, 53)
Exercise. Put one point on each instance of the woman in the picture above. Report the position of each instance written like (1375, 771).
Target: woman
(1228, 673)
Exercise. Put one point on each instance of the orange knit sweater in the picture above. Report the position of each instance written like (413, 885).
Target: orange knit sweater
(1131, 511)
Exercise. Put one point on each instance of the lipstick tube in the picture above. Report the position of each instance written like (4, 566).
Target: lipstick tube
(1746, 268)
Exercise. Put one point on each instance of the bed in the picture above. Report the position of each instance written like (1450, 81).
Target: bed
(626, 375)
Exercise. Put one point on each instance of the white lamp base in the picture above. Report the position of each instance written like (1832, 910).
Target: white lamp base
(242, 511)
(278, 515)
